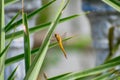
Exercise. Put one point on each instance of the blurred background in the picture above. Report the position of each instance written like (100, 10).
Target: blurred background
(79, 49)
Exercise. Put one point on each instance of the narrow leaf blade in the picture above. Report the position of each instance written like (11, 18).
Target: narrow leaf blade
(5, 49)
(13, 19)
(114, 3)
(2, 38)
(56, 77)
(8, 2)
(27, 49)
(11, 77)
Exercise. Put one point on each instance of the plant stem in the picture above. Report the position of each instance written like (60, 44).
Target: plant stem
(2, 39)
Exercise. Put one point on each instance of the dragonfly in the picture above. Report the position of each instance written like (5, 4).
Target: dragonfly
(59, 40)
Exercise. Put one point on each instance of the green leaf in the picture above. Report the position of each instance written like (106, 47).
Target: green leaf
(89, 72)
(113, 60)
(107, 75)
(18, 57)
(114, 3)
(115, 77)
(13, 19)
(37, 63)
(27, 49)
(11, 77)
(2, 33)
(2, 38)
(6, 48)
(21, 56)
(29, 16)
(103, 76)
(56, 77)
(39, 27)
(8, 2)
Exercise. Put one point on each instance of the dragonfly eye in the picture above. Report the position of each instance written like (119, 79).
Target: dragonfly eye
(55, 35)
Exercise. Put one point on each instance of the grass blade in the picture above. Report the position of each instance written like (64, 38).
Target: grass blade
(18, 57)
(40, 27)
(8, 2)
(114, 59)
(103, 76)
(29, 16)
(114, 3)
(37, 63)
(56, 77)
(27, 50)
(13, 19)
(117, 77)
(11, 77)
(107, 75)
(2, 39)
(21, 56)
(6, 48)
(36, 11)
(2, 33)
(89, 72)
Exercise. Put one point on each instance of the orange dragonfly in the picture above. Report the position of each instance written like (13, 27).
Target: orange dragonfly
(59, 39)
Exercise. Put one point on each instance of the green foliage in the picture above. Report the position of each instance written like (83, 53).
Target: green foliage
(90, 72)
(2, 39)
(114, 3)
(39, 27)
(106, 71)
(59, 76)
(27, 49)
(29, 16)
(12, 75)
(37, 63)
(8, 2)
(5, 49)
(19, 57)
(41, 52)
